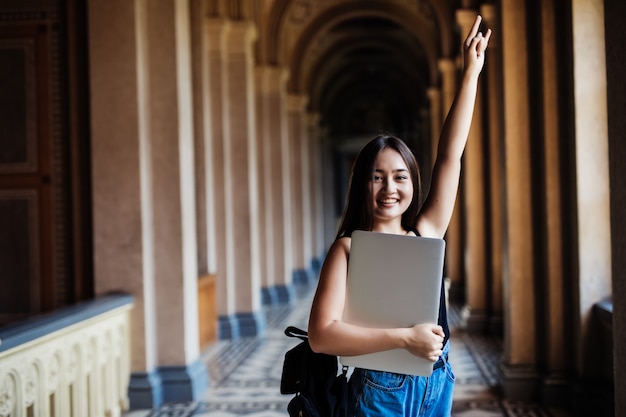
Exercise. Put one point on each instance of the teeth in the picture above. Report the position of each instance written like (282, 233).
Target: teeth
(390, 200)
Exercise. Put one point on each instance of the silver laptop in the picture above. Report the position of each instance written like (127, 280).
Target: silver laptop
(393, 281)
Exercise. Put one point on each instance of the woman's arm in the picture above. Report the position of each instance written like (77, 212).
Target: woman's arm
(435, 215)
(329, 334)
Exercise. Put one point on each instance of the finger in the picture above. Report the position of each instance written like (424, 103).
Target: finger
(473, 31)
(487, 36)
(484, 41)
(438, 330)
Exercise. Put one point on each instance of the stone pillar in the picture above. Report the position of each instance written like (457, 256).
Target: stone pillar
(160, 146)
(307, 201)
(240, 181)
(614, 10)
(225, 285)
(300, 214)
(275, 152)
(555, 383)
(331, 214)
(176, 268)
(491, 77)
(593, 237)
(121, 176)
(317, 196)
(205, 220)
(436, 119)
(454, 249)
(265, 225)
(518, 368)
(473, 203)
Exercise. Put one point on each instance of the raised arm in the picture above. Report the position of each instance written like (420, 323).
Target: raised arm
(437, 210)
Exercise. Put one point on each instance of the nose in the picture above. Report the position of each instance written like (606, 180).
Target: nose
(389, 186)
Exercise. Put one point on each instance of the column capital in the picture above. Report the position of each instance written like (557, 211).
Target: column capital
(271, 78)
(465, 18)
(433, 93)
(214, 29)
(488, 12)
(238, 37)
(313, 119)
(490, 18)
(446, 65)
(296, 102)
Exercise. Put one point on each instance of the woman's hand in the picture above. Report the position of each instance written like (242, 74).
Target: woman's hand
(474, 48)
(425, 341)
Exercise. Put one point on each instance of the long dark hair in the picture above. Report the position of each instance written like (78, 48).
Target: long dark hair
(358, 213)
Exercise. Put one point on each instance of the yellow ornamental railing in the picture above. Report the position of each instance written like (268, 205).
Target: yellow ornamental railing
(74, 362)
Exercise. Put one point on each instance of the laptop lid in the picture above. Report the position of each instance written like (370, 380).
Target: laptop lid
(393, 281)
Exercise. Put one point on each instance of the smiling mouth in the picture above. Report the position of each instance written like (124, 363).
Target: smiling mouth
(388, 201)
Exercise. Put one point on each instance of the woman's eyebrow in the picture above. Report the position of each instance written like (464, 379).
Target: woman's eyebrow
(394, 170)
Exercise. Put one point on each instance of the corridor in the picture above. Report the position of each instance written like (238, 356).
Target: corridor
(245, 374)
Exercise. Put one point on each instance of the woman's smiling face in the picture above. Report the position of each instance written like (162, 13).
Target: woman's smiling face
(392, 188)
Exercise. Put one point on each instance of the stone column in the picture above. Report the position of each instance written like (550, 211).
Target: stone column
(122, 177)
(436, 120)
(225, 285)
(171, 141)
(275, 153)
(205, 220)
(265, 225)
(162, 117)
(554, 299)
(491, 77)
(240, 177)
(592, 177)
(518, 368)
(473, 203)
(300, 215)
(307, 201)
(317, 196)
(454, 250)
(615, 32)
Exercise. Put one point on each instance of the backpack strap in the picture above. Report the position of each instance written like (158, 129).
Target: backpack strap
(293, 331)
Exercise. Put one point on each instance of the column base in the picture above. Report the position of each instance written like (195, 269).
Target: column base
(268, 296)
(316, 266)
(241, 325)
(167, 383)
(227, 328)
(519, 382)
(479, 322)
(184, 383)
(278, 294)
(475, 321)
(556, 390)
(145, 390)
(304, 276)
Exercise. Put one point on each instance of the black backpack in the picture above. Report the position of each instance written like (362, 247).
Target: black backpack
(320, 392)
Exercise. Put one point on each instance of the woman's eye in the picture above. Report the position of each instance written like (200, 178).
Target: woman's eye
(401, 178)
(377, 178)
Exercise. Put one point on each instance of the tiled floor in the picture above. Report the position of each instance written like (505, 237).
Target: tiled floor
(245, 374)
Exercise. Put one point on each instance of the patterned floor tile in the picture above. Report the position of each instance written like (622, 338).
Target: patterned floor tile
(245, 373)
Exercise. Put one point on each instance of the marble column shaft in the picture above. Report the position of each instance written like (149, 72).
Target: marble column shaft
(240, 174)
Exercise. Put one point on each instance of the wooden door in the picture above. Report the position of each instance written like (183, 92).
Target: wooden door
(39, 154)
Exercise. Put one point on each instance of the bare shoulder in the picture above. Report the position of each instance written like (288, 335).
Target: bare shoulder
(340, 246)
(338, 255)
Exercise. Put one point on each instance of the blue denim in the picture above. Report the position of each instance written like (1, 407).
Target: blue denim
(385, 394)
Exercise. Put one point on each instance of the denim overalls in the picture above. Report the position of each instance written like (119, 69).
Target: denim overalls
(385, 394)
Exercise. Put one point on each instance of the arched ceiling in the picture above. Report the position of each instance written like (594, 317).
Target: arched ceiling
(364, 65)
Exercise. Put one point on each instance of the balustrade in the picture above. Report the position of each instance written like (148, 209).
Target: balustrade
(74, 362)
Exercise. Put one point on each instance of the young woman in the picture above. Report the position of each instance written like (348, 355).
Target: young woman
(384, 196)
